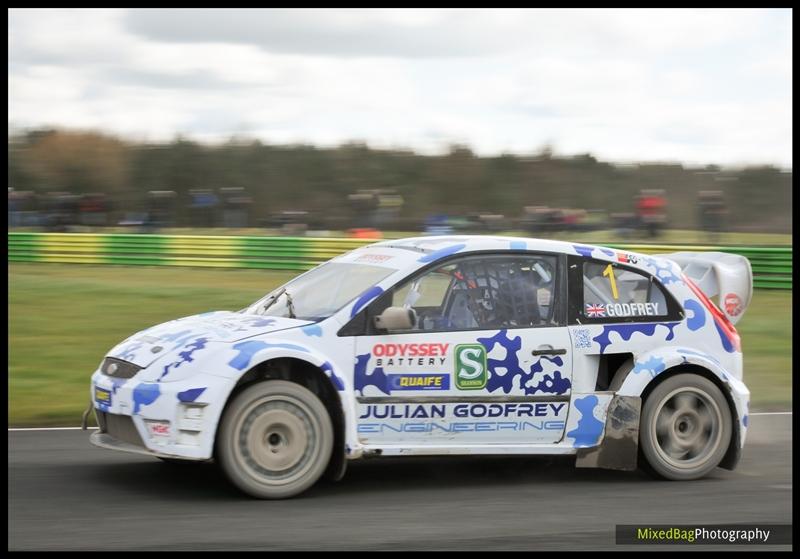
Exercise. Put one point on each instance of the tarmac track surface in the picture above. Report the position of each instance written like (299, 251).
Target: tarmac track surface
(66, 494)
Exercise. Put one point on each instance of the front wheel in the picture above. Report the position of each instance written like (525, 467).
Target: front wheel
(275, 439)
(685, 427)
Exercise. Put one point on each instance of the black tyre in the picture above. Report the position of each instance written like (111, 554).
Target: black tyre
(685, 428)
(275, 439)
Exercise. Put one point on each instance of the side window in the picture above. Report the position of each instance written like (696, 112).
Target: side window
(428, 291)
(485, 292)
(611, 291)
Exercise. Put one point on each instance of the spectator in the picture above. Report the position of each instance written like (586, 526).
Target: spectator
(651, 210)
(236, 204)
(711, 206)
(14, 204)
(203, 208)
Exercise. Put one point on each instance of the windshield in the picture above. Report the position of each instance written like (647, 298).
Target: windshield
(321, 292)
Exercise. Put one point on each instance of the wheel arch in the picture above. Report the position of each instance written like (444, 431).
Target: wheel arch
(319, 379)
(701, 365)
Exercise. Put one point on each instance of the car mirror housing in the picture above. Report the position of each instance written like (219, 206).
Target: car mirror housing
(396, 318)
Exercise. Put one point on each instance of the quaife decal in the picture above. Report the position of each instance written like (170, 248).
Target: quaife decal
(602, 310)
(626, 258)
(419, 382)
(471, 370)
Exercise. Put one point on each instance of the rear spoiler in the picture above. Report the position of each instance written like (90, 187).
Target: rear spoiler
(728, 277)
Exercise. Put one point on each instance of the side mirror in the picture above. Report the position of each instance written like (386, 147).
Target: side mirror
(396, 318)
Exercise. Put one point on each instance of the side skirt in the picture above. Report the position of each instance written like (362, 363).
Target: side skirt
(454, 450)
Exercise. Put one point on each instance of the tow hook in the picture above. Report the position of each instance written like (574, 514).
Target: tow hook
(85, 417)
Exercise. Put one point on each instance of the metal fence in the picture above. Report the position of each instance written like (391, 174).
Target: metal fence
(772, 266)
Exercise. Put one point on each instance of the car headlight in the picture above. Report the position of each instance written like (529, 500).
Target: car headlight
(116, 368)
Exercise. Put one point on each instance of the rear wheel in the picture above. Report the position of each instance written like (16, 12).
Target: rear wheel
(685, 427)
(275, 439)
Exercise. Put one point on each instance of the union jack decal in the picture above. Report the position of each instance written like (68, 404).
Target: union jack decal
(595, 311)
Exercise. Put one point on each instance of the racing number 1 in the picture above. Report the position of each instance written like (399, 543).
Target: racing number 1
(609, 271)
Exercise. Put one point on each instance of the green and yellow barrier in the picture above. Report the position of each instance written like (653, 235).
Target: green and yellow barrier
(772, 266)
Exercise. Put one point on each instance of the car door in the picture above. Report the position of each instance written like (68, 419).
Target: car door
(486, 362)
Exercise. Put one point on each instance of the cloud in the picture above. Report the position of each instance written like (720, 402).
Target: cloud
(694, 85)
(396, 33)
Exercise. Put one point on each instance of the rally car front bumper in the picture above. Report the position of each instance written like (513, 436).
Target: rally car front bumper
(167, 419)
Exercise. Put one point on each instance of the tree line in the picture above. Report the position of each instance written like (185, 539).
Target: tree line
(304, 177)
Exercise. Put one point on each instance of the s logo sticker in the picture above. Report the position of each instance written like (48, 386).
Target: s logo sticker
(471, 371)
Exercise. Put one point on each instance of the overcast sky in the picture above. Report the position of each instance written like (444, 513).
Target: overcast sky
(697, 86)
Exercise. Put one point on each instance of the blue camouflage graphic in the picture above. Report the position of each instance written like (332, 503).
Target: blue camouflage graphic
(626, 331)
(249, 348)
(179, 338)
(327, 368)
(510, 362)
(441, 253)
(551, 383)
(254, 322)
(377, 378)
(145, 394)
(185, 356)
(128, 353)
(698, 318)
(191, 395)
(312, 330)
(726, 343)
(365, 298)
(589, 429)
(587, 251)
(583, 250)
(654, 365)
(664, 270)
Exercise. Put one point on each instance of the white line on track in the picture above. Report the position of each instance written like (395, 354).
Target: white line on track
(93, 427)
(49, 428)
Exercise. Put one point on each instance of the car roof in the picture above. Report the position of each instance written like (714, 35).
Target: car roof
(476, 242)
(441, 246)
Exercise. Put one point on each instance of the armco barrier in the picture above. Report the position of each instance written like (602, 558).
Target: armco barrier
(772, 266)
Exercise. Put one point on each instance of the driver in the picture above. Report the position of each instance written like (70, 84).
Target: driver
(517, 299)
(501, 296)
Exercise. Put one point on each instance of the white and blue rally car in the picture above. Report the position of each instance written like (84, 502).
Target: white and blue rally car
(446, 345)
